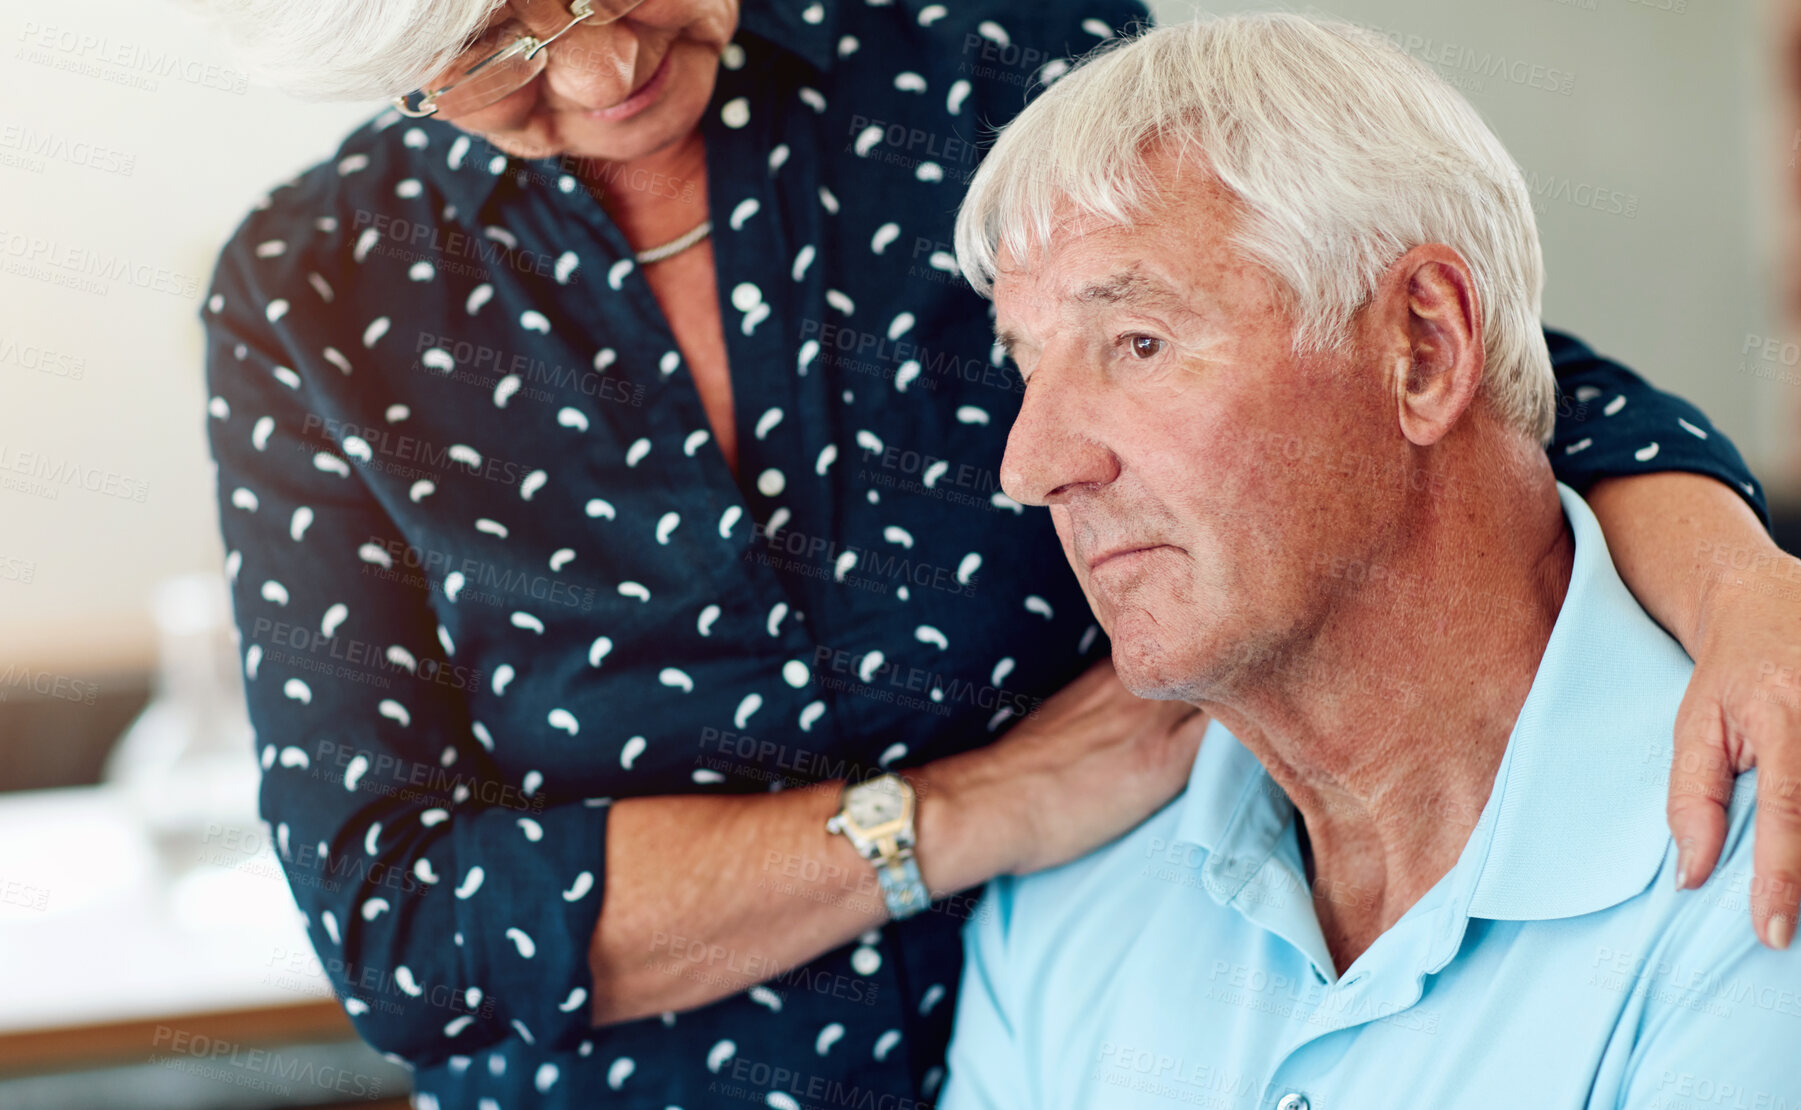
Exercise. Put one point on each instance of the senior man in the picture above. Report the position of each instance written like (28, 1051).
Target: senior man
(1275, 291)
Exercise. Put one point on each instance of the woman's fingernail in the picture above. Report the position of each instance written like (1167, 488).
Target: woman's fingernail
(1780, 930)
(1682, 861)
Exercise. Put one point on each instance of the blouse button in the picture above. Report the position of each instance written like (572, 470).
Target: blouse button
(1294, 1100)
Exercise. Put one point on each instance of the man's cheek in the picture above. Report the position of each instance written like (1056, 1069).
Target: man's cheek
(1102, 612)
(1101, 607)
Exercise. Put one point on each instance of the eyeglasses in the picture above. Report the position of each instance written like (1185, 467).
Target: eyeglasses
(506, 58)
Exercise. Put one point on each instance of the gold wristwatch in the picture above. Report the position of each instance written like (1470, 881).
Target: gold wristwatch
(877, 818)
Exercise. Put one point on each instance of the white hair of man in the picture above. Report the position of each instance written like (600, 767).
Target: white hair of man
(1343, 151)
(347, 49)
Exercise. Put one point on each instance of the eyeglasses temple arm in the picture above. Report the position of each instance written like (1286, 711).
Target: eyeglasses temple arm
(580, 11)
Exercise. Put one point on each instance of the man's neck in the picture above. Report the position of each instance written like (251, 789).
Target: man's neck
(1386, 726)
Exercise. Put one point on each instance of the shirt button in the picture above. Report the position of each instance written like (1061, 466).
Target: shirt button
(1294, 1100)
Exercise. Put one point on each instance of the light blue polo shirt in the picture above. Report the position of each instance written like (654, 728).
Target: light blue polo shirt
(1554, 966)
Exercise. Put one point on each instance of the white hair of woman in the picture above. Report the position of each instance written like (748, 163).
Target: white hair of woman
(1343, 151)
(346, 49)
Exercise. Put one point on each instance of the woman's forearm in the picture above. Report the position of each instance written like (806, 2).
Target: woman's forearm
(1675, 537)
(708, 895)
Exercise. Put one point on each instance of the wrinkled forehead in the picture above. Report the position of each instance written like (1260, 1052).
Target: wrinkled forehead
(1088, 264)
(1081, 256)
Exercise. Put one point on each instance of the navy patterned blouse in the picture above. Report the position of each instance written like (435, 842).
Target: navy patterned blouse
(490, 570)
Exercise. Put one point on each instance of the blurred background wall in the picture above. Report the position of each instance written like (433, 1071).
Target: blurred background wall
(102, 152)
(130, 147)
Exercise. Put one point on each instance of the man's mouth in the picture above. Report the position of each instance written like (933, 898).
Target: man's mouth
(1122, 556)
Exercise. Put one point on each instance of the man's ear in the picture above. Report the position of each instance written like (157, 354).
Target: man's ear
(1429, 323)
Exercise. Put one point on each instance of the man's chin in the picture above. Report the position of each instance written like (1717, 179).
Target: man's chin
(1150, 669)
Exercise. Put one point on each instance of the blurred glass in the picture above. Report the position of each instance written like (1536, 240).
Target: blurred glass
(188, 763)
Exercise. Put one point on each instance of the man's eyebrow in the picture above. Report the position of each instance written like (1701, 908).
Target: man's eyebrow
(1126, 285)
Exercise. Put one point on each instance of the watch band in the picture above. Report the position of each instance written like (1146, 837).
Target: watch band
(902, 888)
(889, 845)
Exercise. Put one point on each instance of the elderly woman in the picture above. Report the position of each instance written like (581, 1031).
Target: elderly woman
(607, 457)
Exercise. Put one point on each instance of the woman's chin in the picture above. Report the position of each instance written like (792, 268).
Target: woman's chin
(585, 137)
(574, 133)
(537, 142)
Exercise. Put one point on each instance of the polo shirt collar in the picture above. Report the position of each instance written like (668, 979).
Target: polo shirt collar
(1575, 822)
(1577, 812)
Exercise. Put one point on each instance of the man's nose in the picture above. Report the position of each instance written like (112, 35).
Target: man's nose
(1053, 449)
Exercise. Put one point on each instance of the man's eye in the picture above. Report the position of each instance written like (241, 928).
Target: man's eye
(1145, 346)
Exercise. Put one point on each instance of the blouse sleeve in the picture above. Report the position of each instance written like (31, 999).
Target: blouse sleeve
(451, 908)
(1611, 423)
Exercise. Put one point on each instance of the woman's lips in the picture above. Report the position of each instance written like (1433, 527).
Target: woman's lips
(641, 98)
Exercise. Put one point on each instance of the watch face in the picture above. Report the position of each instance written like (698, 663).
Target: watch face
(875, 803)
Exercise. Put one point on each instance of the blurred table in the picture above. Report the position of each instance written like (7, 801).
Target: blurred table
(167, 958)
